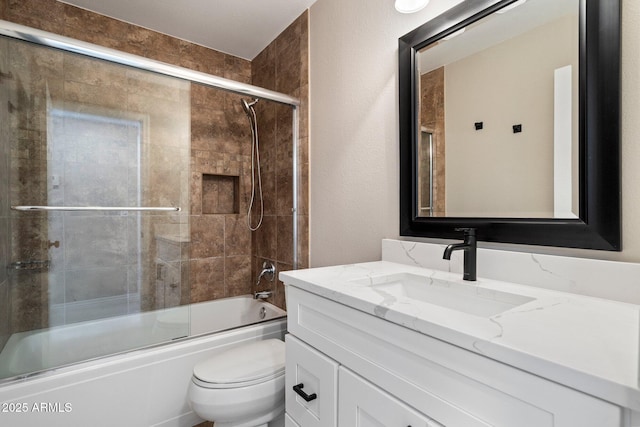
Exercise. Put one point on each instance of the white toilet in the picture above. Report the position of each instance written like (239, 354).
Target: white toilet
(240, 387)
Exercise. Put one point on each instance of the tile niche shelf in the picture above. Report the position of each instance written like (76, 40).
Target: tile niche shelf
(220, 194)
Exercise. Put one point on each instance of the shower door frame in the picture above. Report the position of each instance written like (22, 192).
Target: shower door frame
(44, 38)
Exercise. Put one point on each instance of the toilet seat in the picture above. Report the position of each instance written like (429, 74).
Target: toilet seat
(242, 366)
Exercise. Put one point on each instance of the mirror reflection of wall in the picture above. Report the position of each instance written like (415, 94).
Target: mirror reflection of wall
(432, 138)
(503, 71)
(426, 168)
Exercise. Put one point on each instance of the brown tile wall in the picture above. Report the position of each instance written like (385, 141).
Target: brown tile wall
(221, 262)
(283, 66)
(26, 139)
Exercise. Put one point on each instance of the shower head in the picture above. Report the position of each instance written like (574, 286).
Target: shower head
(248, 105)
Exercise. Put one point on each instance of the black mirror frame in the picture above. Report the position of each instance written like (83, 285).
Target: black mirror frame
(599, 222)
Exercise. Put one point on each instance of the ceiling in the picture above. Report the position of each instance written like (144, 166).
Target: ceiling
(241, 28)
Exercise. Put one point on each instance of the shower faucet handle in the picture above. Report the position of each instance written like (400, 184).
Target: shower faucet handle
(268, 272)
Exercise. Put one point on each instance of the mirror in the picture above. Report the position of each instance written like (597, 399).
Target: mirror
(515, 68)
(509, 123)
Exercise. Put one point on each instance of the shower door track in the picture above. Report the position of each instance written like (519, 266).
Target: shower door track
(44, 38)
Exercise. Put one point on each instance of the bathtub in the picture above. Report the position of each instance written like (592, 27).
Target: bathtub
(144, 387)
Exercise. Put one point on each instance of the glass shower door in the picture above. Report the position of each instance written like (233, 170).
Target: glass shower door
(108, 142)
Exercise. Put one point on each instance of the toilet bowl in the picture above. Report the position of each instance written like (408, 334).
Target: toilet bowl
(240, 387)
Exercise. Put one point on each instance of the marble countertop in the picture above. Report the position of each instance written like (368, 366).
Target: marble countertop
(586, 343)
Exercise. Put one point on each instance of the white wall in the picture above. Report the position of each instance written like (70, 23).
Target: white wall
(354, 125)
(354, 129)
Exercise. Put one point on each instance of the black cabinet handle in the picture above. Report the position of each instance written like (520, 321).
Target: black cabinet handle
(302, 394)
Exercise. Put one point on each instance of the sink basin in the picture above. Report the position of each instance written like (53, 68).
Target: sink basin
(469, 299)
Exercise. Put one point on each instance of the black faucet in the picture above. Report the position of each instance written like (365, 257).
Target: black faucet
(469, 247)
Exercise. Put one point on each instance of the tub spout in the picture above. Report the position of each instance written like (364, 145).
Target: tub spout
(262, 295)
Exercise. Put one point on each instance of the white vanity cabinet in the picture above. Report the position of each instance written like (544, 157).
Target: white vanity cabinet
(367, 371)
(319, 381)
(364, 405)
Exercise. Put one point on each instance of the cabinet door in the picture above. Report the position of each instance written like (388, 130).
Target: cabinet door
(364, 405)
(309, 373)
(288, 421)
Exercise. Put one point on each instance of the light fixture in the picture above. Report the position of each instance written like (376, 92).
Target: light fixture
(410, 6)
(511, 6)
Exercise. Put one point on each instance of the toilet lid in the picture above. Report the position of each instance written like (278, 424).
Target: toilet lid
(243, 365)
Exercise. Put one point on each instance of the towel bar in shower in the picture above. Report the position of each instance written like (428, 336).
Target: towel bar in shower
(95, 208)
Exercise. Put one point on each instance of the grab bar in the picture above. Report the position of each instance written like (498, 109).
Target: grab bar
(94, 208)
